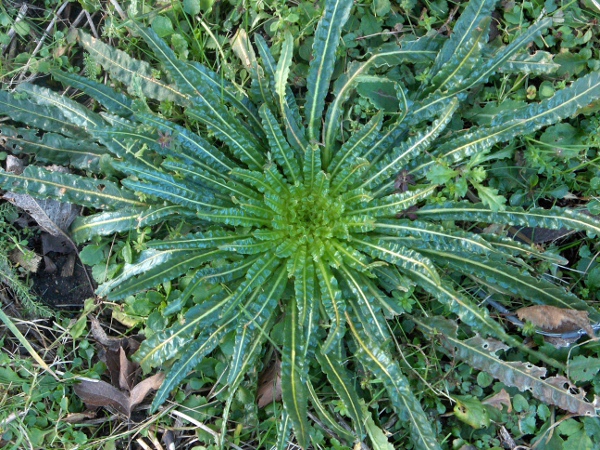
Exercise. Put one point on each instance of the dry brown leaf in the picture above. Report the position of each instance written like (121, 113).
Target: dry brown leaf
(127, 371)
(141, 390)
(79, 417)
(498, 400)
(101, 394)
(556, 320)
(269, 385)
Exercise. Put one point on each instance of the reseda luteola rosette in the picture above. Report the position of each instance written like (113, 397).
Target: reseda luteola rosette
(289, 221)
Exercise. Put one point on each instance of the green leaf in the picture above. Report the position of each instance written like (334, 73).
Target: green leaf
(386, 369)
(68, 188)
(326, 40)
(393, 204)
(341, 381)
(282, 152)
(131, 72)
(489, 197)
(389, 54)
(189, 359)
(258, 311)
(536, 63)
(583, 368)
(170, 265)
(53, 148)
(399, 157)
(114, 102)
(553, 218)
(172, 342)
(463, 32)
(378, 438)
(283, 67)
(331, 299)
(439, 174)
(74, 112)
(107, 223)
(294, 373)
(356, 146)
(191, 7)
(401, 256)
(163, 26)
(481, 355)
(45, 117)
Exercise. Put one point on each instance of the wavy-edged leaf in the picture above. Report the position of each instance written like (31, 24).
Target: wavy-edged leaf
(365, 297)
(507, 125)
(510, 246)
(331, 299)
(237, 216)
(386, 369)
(466, 56)
(481, 354)
(420, 50)
(243, 145)
(326, 417)
(69, 188)
(426, 235)
(48, 118)
(146, 261)
(290, 112)
(224, 188)
(163, 185)
(206, 239)
(341, 380)
(326, 40)
(194, 148)
(53, 148)
(460, 305)
(74, 112)
(283, 66)
(554, 218)
(106, 223)
(131, 72)
(508, 278)
(192, 83)
(465, 27)
(393, 204)
(190, 358)
(311, 166)
(170, 268)
(539, 62)
(357, 145)
(281, 150)
(114, 102)
(398, 255)
(167, 344)
(256, 312)
(212, 275)
(397, 159)
(294, 373)
(256, 276)
(284, 427)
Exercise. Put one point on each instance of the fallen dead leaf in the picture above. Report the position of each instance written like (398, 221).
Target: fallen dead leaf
(500, 399)
(556, 320)
(269, 385)
(98, 393)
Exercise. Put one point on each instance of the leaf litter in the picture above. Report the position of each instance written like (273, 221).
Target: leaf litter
(122, 394)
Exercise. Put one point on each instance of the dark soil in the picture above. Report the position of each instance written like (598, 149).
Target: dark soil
(62, 292)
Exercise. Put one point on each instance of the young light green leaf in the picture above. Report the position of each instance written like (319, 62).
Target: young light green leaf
(283, 67)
